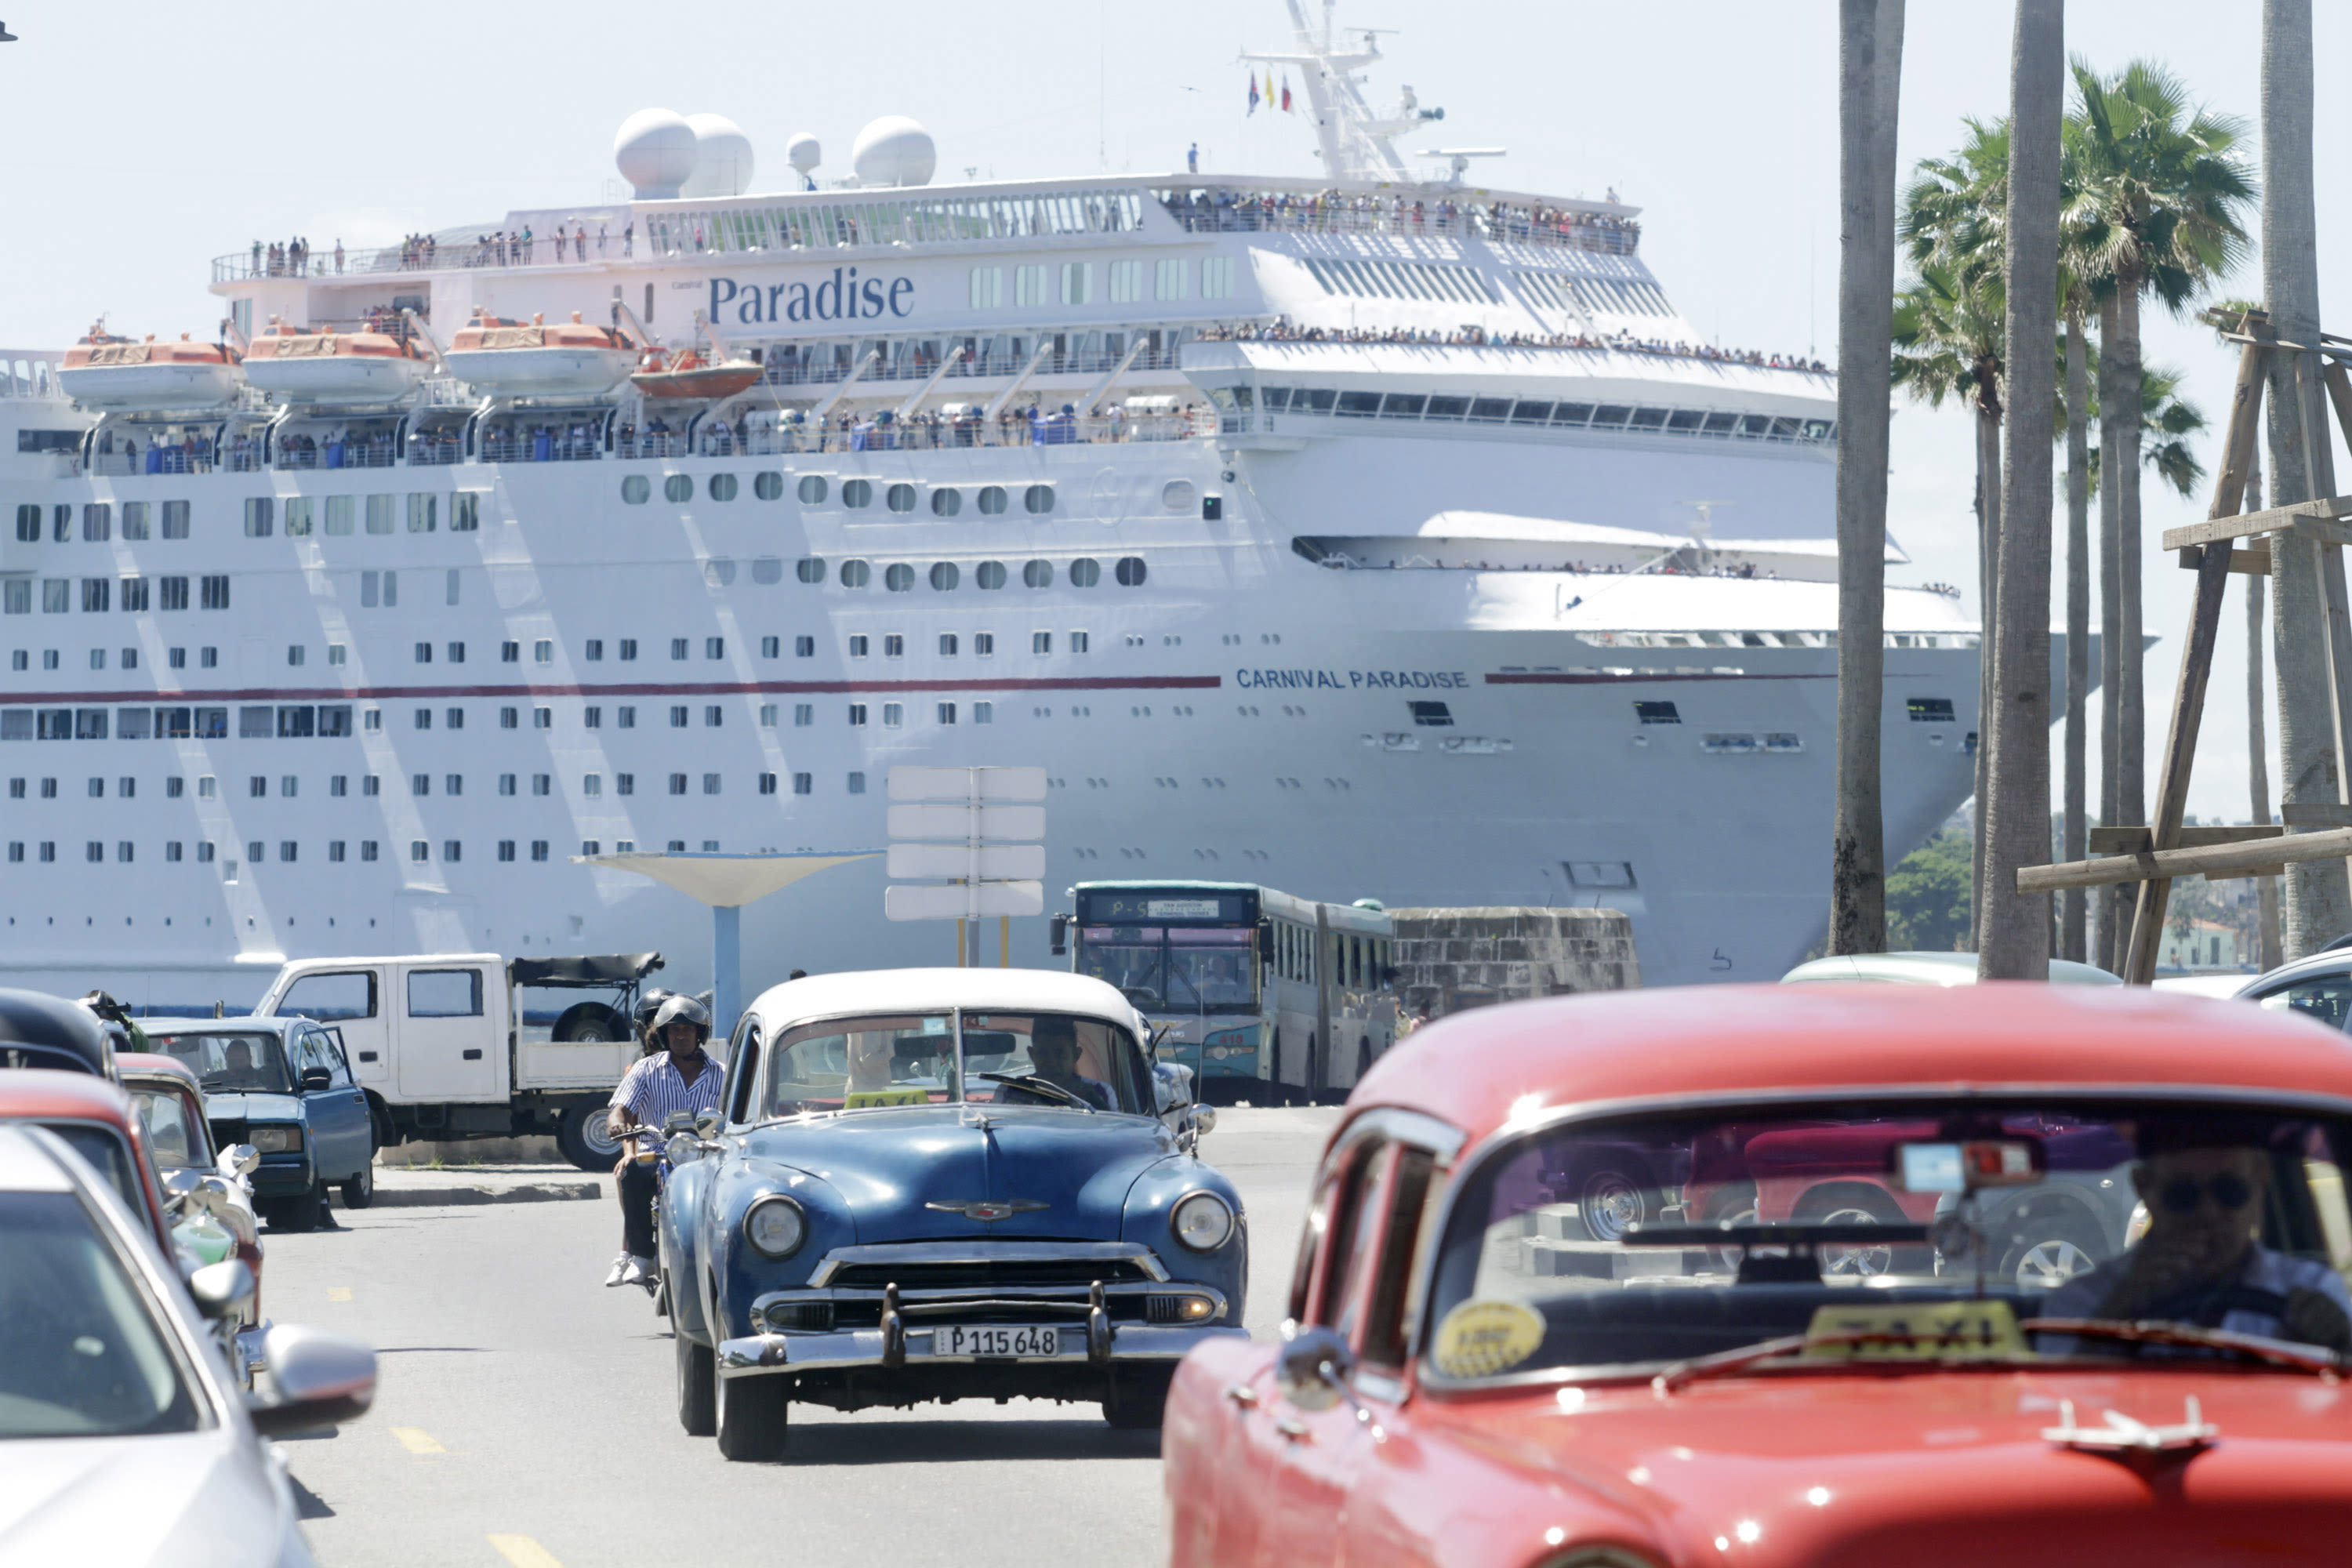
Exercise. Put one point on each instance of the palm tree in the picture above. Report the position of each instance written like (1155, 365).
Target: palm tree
(1870, 72)
(2074, 905)
(2155, 210)
(2318, 897)
(2014, 935)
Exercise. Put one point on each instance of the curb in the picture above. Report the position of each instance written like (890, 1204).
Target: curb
(456, 1196)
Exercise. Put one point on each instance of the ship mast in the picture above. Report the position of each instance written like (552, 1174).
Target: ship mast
(1355, 139)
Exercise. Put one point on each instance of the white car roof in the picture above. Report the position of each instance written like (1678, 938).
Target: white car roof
(930, 990)
(25, 1167)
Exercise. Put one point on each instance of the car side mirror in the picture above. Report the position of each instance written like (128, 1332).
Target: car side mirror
(707, 1124)
(317, 1079)
(1205, 1120)
(222, 1290)
(1172, 1085)
(1312, 1367)
(677, 1121)
(239, 1159)
(320, 1379)
(1059, 928)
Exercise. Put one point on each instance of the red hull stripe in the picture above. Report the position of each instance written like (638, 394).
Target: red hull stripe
(1548, 679)
(702, 688)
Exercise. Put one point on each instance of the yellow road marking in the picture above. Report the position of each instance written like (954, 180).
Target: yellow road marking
(339, 1292)
(416, 1440)
(524, 1552)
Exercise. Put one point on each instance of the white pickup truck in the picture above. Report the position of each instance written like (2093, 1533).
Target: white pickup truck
(437, 1042)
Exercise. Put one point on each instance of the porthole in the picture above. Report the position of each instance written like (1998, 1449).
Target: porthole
(989, 574)
(722, 487)
(637, 489)
(1039, 500)
(944, 576)
(1130, 572)
(811, 570)
(770, 485)
(1084, 572)
(946, 503)
(900, 498)
(1038, 574)
(1177, 495)
(856, 493)
(900, 578)
(992, 499)
(766, 569)
(855, 573)
(678, 488)
(811, 490)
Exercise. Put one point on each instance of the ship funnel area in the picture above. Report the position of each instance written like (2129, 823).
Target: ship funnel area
(665, 155)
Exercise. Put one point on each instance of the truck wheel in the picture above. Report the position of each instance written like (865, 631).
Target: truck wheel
(697, 1372)
(589, 1023)
(753, 1415)
(586, 1138)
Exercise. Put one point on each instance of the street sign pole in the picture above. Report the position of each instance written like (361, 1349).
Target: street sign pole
(967, 843)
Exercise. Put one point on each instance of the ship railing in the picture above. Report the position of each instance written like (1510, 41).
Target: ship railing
(916, 367)
(540, 446)
(656, 445)
(244, 460)
(943, 435)
(156, 459)
(29, 373)
(337, 455)
(424, 454)
(1376, 216)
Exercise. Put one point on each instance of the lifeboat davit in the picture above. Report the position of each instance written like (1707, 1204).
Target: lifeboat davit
(692, 377)
(518, 360)
(333, 367)
(112, 373)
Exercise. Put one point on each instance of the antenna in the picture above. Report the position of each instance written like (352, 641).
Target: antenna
(1461, 156)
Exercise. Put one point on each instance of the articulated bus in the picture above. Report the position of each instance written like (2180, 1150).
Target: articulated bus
(1267, 998)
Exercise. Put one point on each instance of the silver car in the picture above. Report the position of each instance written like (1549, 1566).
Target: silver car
(123, 1439)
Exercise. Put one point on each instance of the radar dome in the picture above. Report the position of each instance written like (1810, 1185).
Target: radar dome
(894, 151)
(656, 150)
(803, 154)
(722, 164)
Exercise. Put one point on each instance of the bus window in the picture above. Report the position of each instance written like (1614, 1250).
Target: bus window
(1126, 956)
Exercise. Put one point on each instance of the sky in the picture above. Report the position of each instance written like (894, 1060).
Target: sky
(1717, 118)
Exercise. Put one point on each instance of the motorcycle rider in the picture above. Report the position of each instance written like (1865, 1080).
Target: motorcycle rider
(680, 1076)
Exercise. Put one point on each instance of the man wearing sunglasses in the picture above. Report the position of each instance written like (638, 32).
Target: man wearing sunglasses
(2201, 1261)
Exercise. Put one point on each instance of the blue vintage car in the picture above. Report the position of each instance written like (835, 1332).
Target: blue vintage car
(283, 1086)
(941, 1184)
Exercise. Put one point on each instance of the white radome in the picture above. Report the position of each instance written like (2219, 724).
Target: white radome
(722, 164)
(894, 151)
(803, 153)
(656, 150)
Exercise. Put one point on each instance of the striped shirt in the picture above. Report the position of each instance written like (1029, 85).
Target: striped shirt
(655, 1090)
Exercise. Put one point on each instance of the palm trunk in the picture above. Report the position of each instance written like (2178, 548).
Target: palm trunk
(2318, 896)
(2111, 901)
(2258, 772)
(2131, 654)
(2070, 943)
(1870, 59)
(1988, 432)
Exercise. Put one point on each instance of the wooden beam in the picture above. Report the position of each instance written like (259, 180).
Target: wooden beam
(2255, 562)
(2258, 858)
(2275, 520)
(2315, 813)
(2136, 840)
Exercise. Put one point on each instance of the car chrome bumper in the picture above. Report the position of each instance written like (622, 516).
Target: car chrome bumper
(1124, 1344)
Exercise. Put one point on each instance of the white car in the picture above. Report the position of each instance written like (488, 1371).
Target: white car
(123, 1438)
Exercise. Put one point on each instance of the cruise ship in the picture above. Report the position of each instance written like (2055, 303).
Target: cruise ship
(1378, 534)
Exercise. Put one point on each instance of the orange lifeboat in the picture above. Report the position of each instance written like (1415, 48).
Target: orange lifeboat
(112, 373)
(692, 377)
(324, 365)
(534, 360)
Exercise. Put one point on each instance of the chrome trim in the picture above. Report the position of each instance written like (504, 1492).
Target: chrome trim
(760, 1354)
(1053, 1299)
(1417, 1127)
(947, 1252)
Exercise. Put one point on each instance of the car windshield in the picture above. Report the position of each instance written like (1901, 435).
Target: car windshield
(885, 1060)
(87, 1356)
(232, 1063)
(109, 1153)
(1605, 1244)
(174, 1137)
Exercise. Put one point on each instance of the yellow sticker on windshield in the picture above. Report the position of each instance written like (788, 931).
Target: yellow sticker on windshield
(867, 1099)
(1479, 1339)
(1923, 1331)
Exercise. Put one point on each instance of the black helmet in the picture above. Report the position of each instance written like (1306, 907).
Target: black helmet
(682, 1010)
(648, 1004)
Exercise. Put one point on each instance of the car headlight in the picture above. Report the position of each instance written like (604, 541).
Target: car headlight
(1202, 1221)
(682, 1147)
(775, 1226)
(276, 1139)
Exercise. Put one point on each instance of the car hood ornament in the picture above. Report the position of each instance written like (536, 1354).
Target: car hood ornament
(990, 1208)
(2124, 1435)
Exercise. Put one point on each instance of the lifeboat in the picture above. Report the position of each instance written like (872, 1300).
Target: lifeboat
(692, 377)
(333, 367)
(514, 359)
(106, 372)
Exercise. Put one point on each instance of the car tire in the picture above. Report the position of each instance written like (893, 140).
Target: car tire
(2049, 1251)
(589, 1023)
(1139, 1400)
(299, 1213)
(1846, 1207)
(697, 1376)
(359, 1189)
(1612, 1198)
(586, 1138)
(753, 1418)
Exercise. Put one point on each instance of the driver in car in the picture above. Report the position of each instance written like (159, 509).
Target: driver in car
(1053, 1059)
(2202, 1262)
(237, 1070)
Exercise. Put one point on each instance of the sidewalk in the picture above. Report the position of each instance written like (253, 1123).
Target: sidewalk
(412, 1186)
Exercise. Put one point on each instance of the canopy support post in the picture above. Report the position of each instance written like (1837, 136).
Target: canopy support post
(726, 968)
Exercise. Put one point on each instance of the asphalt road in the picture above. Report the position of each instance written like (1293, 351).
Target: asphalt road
(524, 1414)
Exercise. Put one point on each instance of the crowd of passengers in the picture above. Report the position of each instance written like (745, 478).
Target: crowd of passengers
(290, 258)
(1331, 211)
(1283, 331)
(191, 454)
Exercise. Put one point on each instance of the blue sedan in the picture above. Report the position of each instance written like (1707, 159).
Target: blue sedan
(942, 1185)
(283, 1086)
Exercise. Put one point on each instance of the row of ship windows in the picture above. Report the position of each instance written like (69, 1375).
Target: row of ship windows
(1714, 422)
(856, 495)
(137, 595)
(305, 721)
(1073, 282)
(339, 850)
(510, 785)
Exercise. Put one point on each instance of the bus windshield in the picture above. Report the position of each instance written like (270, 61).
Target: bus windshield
(1175, 969)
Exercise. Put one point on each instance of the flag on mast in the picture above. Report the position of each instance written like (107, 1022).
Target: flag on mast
(1253, 103)
(1286, 95)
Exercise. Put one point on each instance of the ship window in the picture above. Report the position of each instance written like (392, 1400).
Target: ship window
(1038, 574)
(1177, 495)
(1610, 415)
(1216, 276)
(1531, 413)
(992, 499)
(1600, 873)
(1039, 500)
(421, 510)
(1131, 571)
(1403, 405)
(768, 485)
(944, 576)
(1084, 572)
(464, 512)
(175, 519)
(1433, 715)
(338, 515)
(1493, 410)
(1657, 713)
(1571, 413)
(900, 498)
(856, 493)
(1721, 424)
(1313, 400)
(989, 574)
(946, 502)
(1167, 278)
(1686, 419)
(678, 488)
(1648, 418)
(855, 573)
(722, 487)
(259, 516)
(899, 578)
(1273, 398)
(1447, 409)
(811, 490)
(379, 514)
(809, 569)
(637, 489)
(1931, 710)
(98, 522)
(1359, 405)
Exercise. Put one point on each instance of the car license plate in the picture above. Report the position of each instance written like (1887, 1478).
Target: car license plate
(995, 1340)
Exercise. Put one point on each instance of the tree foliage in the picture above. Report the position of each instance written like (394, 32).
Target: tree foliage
(1927, 896)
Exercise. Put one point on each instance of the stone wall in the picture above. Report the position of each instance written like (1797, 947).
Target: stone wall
(1450, 960)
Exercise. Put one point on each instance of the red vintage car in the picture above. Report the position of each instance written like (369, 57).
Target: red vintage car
(1473, 1377)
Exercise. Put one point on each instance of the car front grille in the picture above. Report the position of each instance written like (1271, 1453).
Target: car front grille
(997, 1274)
